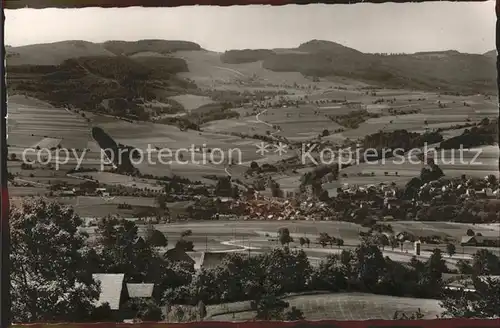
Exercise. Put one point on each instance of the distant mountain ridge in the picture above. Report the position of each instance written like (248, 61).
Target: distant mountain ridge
(318, 46)
(98, 71)
(55, 53)
(105, 77)
(448, 70)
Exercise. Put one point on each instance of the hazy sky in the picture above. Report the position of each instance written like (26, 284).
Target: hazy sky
(390, 27)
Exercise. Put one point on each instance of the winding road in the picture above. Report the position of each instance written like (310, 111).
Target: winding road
(272, 134)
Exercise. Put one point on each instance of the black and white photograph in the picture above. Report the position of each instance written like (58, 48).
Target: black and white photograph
(287, 163)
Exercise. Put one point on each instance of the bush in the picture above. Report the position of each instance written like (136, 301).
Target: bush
(156, 238)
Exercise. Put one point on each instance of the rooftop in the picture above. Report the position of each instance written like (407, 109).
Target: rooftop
(140, 290)
(111, 288)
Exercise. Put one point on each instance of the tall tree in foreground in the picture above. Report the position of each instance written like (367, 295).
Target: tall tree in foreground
(121, 250)
(49, 279)
(284, 236)
(370, 265)
(155, 237)
(451, 249)
(163, 212)
(269, 307)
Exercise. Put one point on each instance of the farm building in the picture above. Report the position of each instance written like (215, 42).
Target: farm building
(112, 291)
(486, 241)
(179, 255)
(116, 292)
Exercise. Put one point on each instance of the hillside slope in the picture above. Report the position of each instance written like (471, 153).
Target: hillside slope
(116, 85)
(53, 53)
(128, 48)
(450, 71)
(57, 52)
(120, 77)
(445, 71)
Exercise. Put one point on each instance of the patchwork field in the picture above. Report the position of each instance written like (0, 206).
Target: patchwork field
(34, 123)
(477, 163)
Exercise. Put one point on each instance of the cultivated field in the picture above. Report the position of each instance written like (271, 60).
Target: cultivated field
(33, 123)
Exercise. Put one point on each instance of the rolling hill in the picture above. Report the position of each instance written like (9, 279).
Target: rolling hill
(127, 73)
(53, 53)
(450, 71)
(116, 85)
(57, 52)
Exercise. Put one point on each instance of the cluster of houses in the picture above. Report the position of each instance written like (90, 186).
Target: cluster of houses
(465, 189)
(116, 292)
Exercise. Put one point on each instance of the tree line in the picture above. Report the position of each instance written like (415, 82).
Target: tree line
(53, 260)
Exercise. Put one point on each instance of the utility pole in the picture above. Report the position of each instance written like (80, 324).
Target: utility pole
(206, 243)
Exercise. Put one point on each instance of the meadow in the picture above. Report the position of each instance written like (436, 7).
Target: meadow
(338, 306)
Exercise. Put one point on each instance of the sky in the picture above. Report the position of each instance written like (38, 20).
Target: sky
(390, 27)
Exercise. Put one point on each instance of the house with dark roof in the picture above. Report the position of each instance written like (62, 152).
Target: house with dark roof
(206, 260)
(116, 292)
(211, 260)
(485, 241)
(179, 255)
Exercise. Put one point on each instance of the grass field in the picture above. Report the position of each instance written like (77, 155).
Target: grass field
(191, 102)
(207, 70)
(341, 306)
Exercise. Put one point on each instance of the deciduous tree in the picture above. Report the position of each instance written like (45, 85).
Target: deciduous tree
(49, 279)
